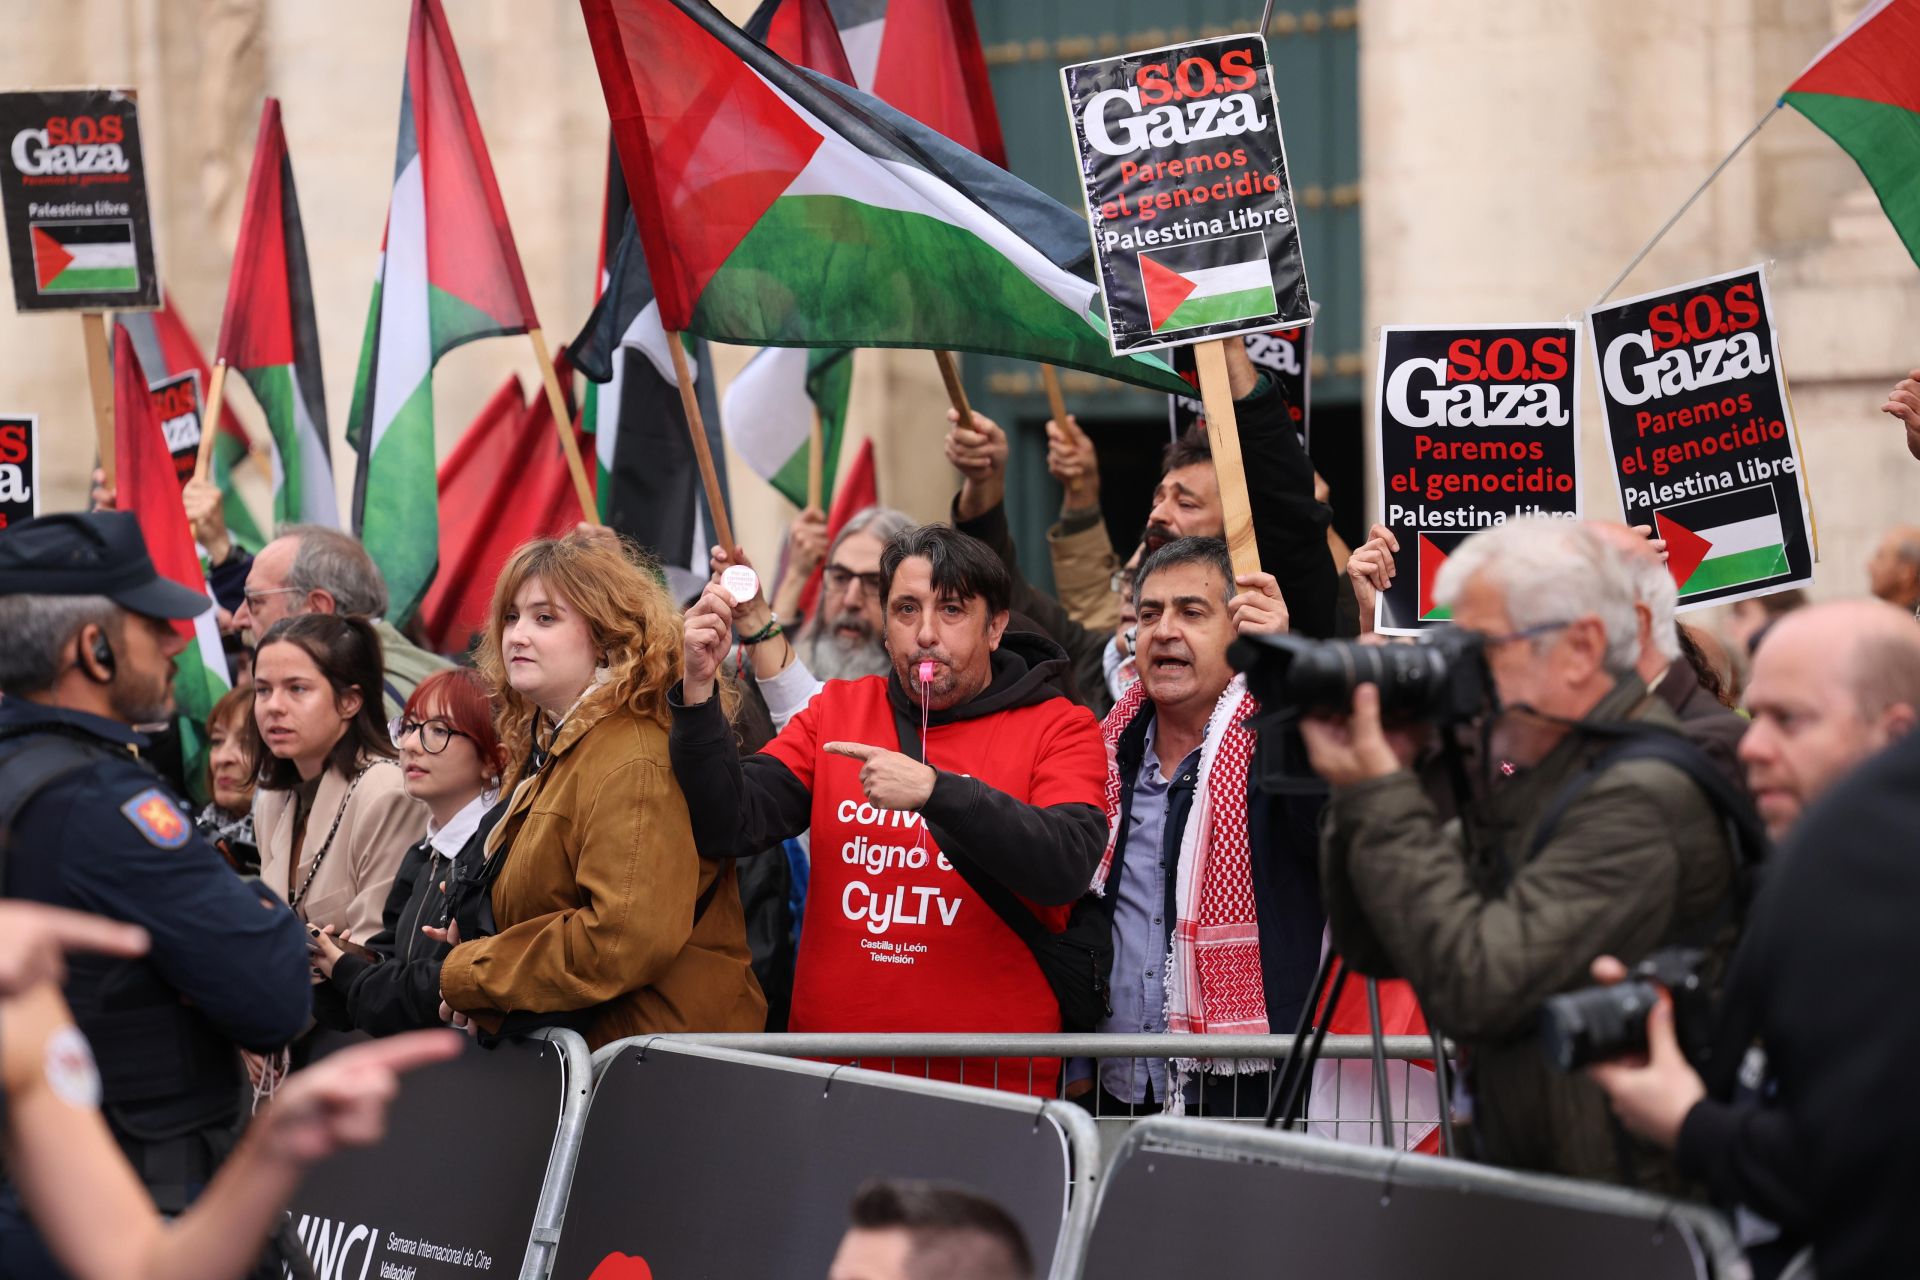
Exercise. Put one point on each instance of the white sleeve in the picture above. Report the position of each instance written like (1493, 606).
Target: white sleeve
(789, 692)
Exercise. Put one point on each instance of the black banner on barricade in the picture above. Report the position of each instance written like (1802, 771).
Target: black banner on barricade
(1285, 355)
(1702, 435)
(75, 195)
(1474, 424)
(19, 469)
(451, 1192)
(701, 1162)
(1185, 177)
(1261, 1203)
(176, 402)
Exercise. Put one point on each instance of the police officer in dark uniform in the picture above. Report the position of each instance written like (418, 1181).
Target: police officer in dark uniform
(87, 641)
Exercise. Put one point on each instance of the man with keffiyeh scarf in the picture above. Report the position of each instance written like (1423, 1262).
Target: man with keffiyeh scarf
(1212, 884)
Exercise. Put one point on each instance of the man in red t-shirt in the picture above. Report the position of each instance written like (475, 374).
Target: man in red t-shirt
(1010, 779)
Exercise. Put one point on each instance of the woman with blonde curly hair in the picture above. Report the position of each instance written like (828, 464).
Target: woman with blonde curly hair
(604, 916)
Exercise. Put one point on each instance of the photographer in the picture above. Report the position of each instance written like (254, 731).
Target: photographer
(1489, 914)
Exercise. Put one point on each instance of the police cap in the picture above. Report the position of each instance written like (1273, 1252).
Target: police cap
(91, 553)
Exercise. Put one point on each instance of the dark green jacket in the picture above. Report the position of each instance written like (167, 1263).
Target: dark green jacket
(1636, 863)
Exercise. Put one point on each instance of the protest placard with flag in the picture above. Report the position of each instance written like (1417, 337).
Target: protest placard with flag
(1862, 91)
(649, 483)
(779, 207)
(449, 274)
(167, 349)
(268, 333)
(143, 468)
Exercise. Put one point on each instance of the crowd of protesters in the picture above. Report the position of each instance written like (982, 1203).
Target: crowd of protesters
(946, 801)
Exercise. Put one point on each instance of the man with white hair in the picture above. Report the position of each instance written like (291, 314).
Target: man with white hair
(1489, 916)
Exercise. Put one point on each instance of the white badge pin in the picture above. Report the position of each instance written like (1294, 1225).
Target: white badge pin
(741, 582)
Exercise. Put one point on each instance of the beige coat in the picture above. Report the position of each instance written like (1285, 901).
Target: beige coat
(349, 891)
(596, 897)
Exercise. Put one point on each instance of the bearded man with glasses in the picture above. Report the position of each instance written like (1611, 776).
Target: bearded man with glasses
(1561, 851)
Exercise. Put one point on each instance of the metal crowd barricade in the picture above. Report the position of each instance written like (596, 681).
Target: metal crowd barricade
(1342, 1104)
(680, 1136)
(554, 1191)
(1244, 1200)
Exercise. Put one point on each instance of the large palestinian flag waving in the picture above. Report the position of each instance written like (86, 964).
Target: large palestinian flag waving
(269, 335)
(781, 208)
(448, 274)
(1863, 90)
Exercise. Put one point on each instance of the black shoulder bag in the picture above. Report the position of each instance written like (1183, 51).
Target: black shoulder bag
(1076, 962)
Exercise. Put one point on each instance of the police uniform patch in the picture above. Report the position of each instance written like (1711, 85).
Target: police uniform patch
(157, 818)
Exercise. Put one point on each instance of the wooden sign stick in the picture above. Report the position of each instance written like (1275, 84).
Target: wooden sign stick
(216, 391)
(956, 394)
(816, 460)
(589, 510)
(690, 403)
(1223, 434)
(93, 328)
(1056, 403)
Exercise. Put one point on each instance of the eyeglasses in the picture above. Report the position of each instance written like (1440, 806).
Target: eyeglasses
(839, 578)
(1121, 583)
(1525, 633)
(253, 598)
(434, 734)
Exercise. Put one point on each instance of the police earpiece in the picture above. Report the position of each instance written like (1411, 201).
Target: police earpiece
(103, 654)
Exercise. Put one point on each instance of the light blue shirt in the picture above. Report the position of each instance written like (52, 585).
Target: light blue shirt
(1141, 930)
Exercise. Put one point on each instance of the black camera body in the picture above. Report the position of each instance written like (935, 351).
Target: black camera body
(1441, 680)
(1594, 1024)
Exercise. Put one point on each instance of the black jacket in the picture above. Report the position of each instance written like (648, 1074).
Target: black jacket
(402, 991)
(1823, 980)
(1283, 843)
(1045, 854)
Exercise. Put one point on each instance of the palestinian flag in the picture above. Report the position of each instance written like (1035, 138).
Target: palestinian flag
(855, 494)
(1432, 552)
(924, 58)
(1863, 92)
(167, 349)
(448, 274)
(802, 32)
(769, 411)
(649, 483)
(780, 208)
(94, 256)
(268, 333)
(1208, 282)
(1732, 539)
(148, 489)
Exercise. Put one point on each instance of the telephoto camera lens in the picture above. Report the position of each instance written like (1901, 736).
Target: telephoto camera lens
(1597, 1023)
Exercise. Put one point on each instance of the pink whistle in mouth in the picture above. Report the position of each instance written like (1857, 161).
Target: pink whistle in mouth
(926, 671)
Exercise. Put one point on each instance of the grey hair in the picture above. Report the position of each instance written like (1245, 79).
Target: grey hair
(1906, 546)
(1653, 586)
(39, 629)
(334, 562)
(1210, 552)
(877, 522)
(1550, 569)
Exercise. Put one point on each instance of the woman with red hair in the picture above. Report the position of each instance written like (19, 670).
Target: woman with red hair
(451, 759)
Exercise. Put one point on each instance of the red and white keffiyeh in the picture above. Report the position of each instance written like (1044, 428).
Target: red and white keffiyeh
(1214, 982)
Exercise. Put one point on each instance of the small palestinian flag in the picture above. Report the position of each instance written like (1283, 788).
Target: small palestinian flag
(84, 257)
(1729, 540)
(1433, 550)
(1211, 282)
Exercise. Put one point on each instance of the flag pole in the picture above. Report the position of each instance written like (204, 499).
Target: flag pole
(690, 403)
(816, 460)
(1679, 213)
(1223, 434)
(1056, 403)
(589, 510)
(216, 392)
(956, 394)
(93, 328)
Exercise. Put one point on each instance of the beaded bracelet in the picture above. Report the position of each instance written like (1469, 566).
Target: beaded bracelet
(768, 632)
